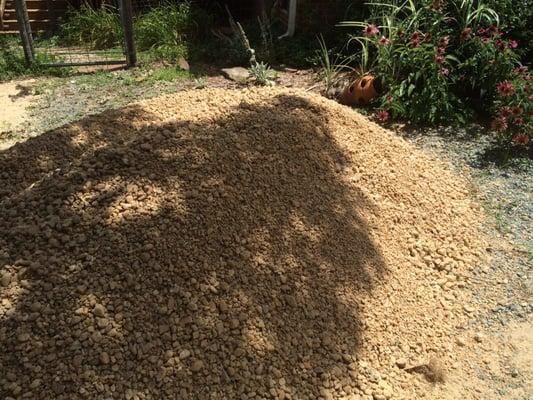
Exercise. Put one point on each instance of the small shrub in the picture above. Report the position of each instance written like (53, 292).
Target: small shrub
(97, 28)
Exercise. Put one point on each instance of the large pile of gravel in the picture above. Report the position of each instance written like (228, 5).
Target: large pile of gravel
(224, 244)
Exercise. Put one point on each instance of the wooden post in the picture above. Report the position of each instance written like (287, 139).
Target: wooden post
(25, 30)
(2, 9)
(126, 16)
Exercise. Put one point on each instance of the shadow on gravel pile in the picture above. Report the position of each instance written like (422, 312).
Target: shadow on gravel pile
(205, 259)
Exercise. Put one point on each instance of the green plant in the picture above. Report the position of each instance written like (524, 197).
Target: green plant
(13, 63)
(436, 60)
(513, 109)
(168, 30)
(167, 75)
(97, 28)
(330, 68)
(517, 22)
(262, 74)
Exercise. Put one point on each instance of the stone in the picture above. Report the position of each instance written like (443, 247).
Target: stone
(183, 64)
(185, 354)
(197, 365)
(104, 358)
(5, 279)
(460, 342)
(237, 74)
(478, 337)
(23, 337)
(401, 363)
(99, 310)
(468, 308)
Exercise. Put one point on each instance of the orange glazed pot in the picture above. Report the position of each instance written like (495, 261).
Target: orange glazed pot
(359, 92)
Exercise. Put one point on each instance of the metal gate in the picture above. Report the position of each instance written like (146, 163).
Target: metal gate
(58, 55)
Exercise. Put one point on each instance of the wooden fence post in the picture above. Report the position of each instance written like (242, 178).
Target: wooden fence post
(126, 16)
(25, 30)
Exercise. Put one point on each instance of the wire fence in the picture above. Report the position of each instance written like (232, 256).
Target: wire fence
(76, 44)
(48, 51)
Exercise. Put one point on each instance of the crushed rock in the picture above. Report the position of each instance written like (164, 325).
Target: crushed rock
(220, 244)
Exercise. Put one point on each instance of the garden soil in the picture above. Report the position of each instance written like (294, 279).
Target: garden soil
(232, 244)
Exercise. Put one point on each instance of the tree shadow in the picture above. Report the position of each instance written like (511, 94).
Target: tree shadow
(229, 261)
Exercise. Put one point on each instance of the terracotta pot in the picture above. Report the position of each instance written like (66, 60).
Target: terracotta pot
(359, 92)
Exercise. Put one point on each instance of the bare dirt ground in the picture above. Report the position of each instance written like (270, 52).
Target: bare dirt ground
(490, 353)
(15, 99)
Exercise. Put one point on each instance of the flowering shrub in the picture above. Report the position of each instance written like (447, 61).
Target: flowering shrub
(513, 109)
(440, 61)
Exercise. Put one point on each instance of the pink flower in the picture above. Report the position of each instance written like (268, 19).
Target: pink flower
(518, 121)
(521, 138)
(516, 111)
(371, 30)
(505, 112)
(499, 44)
(444, 71)
(416, 38)
(384, 41)
(383, 115)
(439, 60)
(444, 41)
(485, 39)
(521, 70)
(505, 88)
(465, 34)
(481, 31)
(499, 124)
(441, 50)
(390, 99)
(513, 44)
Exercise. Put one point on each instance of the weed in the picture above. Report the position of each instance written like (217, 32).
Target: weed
(13, 63)
(96, 28)
(330, 69)
(166, 31)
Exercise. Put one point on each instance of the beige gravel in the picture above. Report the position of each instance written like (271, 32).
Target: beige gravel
(231, 244)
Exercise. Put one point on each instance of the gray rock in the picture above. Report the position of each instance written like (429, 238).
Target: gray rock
(237, 74)
(183, 64)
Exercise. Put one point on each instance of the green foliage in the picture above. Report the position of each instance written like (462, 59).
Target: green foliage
(517, 22)
(437, 61)
(262, 74)
(13, 63)
(168, 74)
(168, 30)
(97, 28)
(330, 66)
